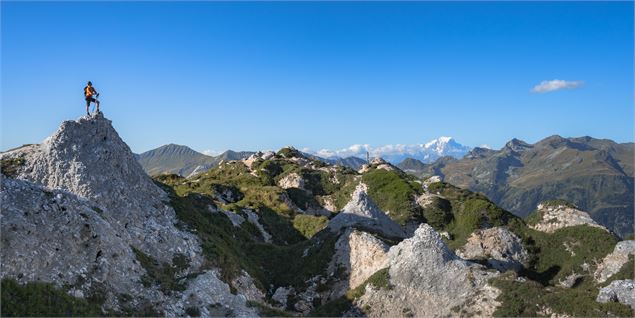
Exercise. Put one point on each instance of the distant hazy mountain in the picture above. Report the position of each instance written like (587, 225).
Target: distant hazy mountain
(428, 152)
(594, 174)
(351, 162)
(182, 160)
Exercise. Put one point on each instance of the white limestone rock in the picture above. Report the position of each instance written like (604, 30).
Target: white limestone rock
(360, 254)
(88, 158)
(429, 280)
(555, 217)
(55, 236)
(292, 180)
(360, 211)
(502, 249)
(622, 291)
(613, 262)
(212, 297)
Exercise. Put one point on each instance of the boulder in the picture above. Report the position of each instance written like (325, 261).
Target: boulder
(212, 297)
(502, 249)
(622, 291)
(292, 180)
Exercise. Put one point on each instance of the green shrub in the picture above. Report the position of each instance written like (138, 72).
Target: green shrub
(528, 297)
(393, 192)
(193, 311)
(302, 199)
(164, 275)
(436, 187)
(266, 311)
(10, 166)
(474, 212)
(559, 202)
(335, 308)
(439, 213)
(554, 262)
(347, 186)
(43, 300)
(290, 152)
(280, 227)
(309, 225)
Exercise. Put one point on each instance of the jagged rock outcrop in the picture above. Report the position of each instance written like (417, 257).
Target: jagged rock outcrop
(613, 262)
(212, 297)
(553, 217)
(622, 291)
(428, 280)
(88, 158)
(281, 296)
(55, 236)
(426, 199)
(246, 286)
(502, 249)
(361, 212)
(360, 255)
(292, 180)
(79, 210)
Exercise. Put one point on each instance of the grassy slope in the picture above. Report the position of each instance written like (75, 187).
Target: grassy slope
(394, 192)
(42, 299)
(235, 248)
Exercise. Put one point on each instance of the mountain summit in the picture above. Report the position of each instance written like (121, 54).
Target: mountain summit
(183, 160)
(79, 211)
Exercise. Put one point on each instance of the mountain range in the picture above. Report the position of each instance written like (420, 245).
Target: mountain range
(86, 232)
(427, 152)
(183, 160)
(594, 174)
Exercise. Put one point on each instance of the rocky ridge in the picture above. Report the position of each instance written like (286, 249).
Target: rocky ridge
(557, 216)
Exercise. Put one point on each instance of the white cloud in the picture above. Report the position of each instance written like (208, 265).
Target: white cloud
(212, 153)
(554, 85)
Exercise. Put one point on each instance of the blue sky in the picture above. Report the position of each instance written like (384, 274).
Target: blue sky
(248, 76)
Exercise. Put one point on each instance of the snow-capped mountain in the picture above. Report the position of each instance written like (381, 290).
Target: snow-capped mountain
(427, 152)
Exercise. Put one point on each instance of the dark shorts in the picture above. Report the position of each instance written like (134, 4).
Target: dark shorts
(90, 99)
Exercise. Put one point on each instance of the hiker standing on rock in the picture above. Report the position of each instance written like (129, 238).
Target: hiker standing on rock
(89, 92)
